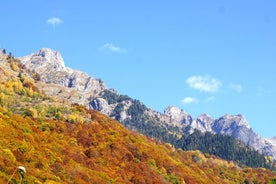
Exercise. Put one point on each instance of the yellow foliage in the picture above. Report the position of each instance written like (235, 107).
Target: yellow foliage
(2, 87)
(51, 182)
(33, 112)
(24, 147)
(14, 66)
(30, 92)
(14, 86)
(73, 141)
(73, 118)
(8, 154)
(198, 157)
(269, 158)
(2, 99)
(24, 79)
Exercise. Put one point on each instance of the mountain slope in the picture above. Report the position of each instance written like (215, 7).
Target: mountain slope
(63, 143)
(78, 87)
(238, 127)
(103, 151)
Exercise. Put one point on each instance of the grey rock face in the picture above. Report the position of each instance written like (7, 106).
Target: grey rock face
(270, 148)
(207, 119)
(227, 123)
(238, 127)
(101, 105)
(43, 60)
(178, 115)
(204, 122)
(50, 65)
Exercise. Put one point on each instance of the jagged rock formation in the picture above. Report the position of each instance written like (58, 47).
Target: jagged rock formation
(50, 65)
(233, 125)
(78, 87)
(178, 115)
(270, 147)
(206, 121)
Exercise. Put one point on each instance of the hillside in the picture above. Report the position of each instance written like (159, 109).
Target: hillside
(71, 85)
(78, 87)
(103, 151)
(62, 143)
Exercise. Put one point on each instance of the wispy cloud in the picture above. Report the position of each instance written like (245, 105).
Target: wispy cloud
(261, 91)
(54, 21)
(113, 48)
(210, 99)
(204, 83)
(189, 100)
(236, 87)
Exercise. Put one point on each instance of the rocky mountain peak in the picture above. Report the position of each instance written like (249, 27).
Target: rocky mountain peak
(175, 113)
(239, 120)
(50, 54)
(78, 85)
(229, 124)
(203, 122)
(44, 60)
(207, 118)
(172, 111)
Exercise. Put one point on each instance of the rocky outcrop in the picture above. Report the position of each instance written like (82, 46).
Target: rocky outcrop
(44, 62)
(270, 147)
(205, 121)
(101, 105)
(50, 65)
(178, 115)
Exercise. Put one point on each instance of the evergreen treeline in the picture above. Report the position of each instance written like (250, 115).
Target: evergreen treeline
(225, 147)
(112, 97)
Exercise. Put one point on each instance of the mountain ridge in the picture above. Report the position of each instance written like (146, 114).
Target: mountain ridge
(58, 142)
(94, 94)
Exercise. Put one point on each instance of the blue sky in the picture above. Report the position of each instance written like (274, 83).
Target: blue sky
(203, 56)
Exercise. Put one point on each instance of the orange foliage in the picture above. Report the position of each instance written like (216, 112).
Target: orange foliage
(105, 152)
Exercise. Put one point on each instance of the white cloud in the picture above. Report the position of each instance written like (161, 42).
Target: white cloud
(189, 100)
(54, 21)
(210, 99)
(236, 87)
(204, 83)
(113, 48)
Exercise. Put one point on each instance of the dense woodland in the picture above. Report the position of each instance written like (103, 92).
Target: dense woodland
(66, 143)
(226, 147)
